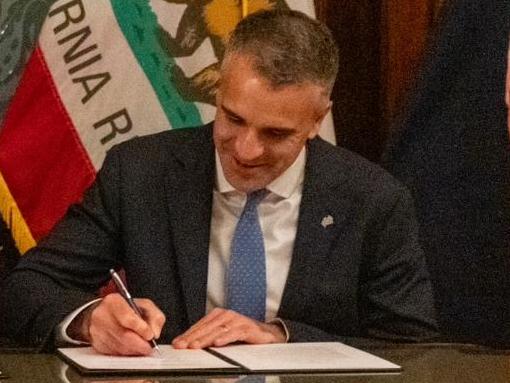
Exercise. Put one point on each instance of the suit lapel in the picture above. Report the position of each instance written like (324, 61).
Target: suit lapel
(320, 222)
(189, 192)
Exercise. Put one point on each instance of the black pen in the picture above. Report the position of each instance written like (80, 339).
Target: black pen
(127, 296)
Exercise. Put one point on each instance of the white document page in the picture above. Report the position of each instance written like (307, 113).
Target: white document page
(170, 359)
(333, 356)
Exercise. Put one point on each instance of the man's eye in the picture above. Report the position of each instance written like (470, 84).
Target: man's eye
(234, 119)
(279, 133)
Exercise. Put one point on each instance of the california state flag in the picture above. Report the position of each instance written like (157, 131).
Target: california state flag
(105, 71)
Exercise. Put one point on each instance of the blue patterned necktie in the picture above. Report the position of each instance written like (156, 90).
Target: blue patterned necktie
(246, 279)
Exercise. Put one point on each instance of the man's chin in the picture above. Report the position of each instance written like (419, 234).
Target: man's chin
(248, 188)
(246, 185)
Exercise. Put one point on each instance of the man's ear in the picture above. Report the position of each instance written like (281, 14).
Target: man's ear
(217, 96)
(320, 116)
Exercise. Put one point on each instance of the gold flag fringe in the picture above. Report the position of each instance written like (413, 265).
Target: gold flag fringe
(12, 217)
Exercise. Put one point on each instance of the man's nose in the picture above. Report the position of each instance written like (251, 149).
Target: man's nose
(248, 146)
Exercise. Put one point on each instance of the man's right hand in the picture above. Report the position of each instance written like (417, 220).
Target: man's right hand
(113, 328)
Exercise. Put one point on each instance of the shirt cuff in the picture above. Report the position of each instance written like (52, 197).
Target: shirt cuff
(282, 324)
(62, 327)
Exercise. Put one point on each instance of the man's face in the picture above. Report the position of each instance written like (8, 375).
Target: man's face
(259, 130)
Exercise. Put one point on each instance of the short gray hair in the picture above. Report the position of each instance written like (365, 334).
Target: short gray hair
(287, 48)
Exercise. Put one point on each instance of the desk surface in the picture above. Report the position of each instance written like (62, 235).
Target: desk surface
(442, 363)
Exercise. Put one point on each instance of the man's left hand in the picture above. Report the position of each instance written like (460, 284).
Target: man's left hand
(221, 327)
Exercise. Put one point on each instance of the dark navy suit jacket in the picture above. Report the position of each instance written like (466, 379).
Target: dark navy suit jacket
(149, 211)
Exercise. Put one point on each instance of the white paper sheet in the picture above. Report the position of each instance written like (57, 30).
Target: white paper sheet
(305, 356)
(169, 360)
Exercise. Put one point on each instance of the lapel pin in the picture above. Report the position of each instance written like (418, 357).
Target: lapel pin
(327, 221)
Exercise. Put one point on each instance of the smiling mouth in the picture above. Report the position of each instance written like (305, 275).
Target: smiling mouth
(245, 166)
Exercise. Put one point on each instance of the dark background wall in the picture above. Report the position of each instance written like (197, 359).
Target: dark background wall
(381, 45)
(428, 92)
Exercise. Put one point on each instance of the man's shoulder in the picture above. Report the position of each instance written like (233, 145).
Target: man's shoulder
(339, 165)
(152, 156)
(184, 143)
(169, 138)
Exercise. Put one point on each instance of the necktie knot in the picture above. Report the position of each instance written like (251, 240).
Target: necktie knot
(254, 198)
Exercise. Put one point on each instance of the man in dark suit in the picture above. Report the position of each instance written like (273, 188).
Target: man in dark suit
(339, 236)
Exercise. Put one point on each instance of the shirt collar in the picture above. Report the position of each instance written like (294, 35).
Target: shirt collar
(284, 185)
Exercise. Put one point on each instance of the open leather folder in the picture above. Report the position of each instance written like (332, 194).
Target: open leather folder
(235, 359)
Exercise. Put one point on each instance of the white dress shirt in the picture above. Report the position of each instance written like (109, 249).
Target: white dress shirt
(278, 216)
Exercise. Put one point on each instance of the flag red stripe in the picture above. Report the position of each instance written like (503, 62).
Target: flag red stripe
(41, 156)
